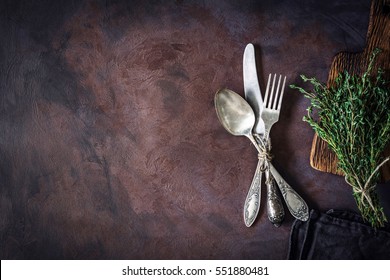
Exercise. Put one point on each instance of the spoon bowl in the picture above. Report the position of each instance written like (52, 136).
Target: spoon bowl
(235, 114)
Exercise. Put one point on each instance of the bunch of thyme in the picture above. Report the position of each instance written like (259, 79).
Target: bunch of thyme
(354, 119)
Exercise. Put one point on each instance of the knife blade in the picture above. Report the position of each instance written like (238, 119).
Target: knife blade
(252, 88)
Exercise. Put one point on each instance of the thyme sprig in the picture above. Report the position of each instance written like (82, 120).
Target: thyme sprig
(353, 118)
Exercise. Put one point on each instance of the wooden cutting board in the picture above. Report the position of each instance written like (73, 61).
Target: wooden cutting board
(322, 158)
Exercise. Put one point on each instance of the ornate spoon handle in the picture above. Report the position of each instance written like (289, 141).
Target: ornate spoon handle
(252, 201)
(275, 210)
(295, 204)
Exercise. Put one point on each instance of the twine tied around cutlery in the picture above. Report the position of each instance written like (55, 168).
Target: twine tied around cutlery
(265, 151)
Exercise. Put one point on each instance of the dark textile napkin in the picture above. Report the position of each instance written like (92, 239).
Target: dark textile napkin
(337, 235)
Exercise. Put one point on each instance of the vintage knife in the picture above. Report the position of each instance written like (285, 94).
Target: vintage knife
(275, 210)
(252, 88)
(253, 96)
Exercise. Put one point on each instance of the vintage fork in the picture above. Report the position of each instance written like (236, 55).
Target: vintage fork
(295, 204)
(270, 115)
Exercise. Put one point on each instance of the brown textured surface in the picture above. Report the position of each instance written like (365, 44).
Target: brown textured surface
(378, 36)
(110, 147)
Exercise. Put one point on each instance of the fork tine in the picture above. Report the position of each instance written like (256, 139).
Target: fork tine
(269, 105)
(276, 94)
(267, 90)
(281, 94)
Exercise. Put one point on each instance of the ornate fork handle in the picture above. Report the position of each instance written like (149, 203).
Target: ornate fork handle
(252, 201)
(295, 204)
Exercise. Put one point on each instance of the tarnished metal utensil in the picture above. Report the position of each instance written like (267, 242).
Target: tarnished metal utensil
(235, 114)
(275, 211)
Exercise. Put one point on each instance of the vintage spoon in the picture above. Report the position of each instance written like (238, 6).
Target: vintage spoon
(235, 114)
(237, 117)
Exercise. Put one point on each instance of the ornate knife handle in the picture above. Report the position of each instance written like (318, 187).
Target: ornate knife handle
(252, 201)
(275, 210)
(295, 204)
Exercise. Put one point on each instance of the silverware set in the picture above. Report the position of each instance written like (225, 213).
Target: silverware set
(253, 118)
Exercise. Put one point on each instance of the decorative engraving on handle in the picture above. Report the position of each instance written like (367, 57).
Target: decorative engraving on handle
(295, 204)
(275, 208)
(252, 201)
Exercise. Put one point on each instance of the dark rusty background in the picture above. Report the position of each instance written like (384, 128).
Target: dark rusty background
(110, 147)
